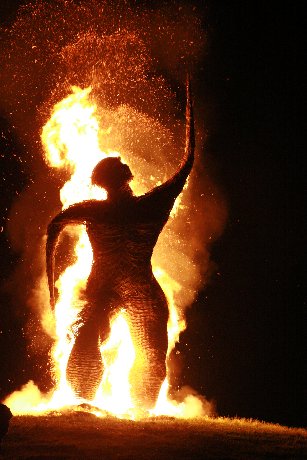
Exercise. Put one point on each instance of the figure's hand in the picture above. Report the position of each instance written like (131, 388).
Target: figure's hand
(190, 136)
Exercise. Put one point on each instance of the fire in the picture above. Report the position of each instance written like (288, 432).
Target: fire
(73, 129)
(118, 356)
(71, 140)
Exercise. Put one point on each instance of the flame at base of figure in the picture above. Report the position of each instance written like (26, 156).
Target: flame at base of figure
(130, 359)
(113, 395)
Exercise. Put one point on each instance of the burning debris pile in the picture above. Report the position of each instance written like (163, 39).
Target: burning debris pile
(85, 77)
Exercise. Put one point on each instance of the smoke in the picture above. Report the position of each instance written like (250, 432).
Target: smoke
(135, 58)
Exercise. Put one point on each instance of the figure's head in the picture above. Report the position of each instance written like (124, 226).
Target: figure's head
(111, 174)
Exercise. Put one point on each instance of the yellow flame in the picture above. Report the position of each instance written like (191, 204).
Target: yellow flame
(118, 355)
(70, 139)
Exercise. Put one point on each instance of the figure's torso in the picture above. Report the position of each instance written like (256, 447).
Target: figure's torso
(123, 236)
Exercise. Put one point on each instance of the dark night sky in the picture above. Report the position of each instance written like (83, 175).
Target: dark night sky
(247, 326)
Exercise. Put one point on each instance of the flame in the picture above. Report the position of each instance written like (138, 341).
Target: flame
(71, 140)
(118, 355)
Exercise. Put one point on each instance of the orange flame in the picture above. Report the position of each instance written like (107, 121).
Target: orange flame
(71, 141)
(73, 129)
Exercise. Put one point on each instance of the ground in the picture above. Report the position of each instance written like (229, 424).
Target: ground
(83, 435)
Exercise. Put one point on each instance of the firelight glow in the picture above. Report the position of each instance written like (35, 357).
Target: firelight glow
(71, 140)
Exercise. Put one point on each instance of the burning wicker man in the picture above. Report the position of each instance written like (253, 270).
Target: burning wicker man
(123, 230)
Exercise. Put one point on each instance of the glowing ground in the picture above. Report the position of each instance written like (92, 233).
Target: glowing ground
(82, 435)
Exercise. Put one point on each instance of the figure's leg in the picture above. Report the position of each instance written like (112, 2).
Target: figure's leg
(149, 332)
(85, 368)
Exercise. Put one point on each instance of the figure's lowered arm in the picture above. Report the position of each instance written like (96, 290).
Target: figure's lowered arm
(72, 215)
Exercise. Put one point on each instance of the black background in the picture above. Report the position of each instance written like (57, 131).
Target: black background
(244, 344)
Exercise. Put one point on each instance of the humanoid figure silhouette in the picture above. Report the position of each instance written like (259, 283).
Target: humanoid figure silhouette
(123, 230)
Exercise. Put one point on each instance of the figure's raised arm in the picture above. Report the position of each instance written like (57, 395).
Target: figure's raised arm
(73, 215)
(169, 190)
(188, 160)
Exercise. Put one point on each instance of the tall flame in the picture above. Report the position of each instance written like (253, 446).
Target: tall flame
(70, 138)
(71, 142)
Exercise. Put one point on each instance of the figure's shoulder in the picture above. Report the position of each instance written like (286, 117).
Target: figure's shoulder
(83, 209)
(88, 204)
(94, 207)
(154, 198)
